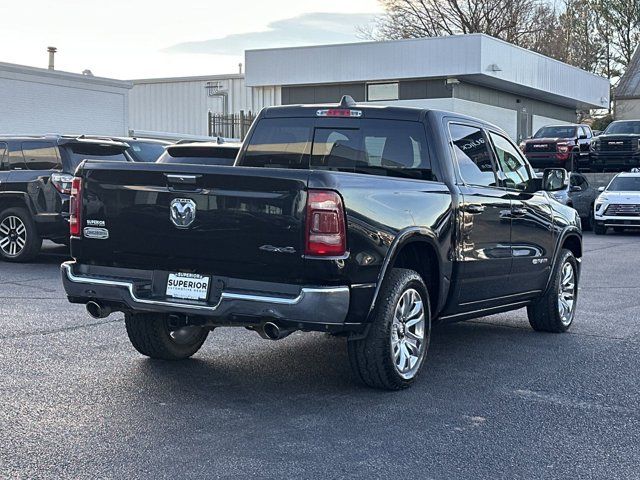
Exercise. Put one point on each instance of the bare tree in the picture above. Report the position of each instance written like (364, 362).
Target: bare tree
(515, 21)
(622, 18)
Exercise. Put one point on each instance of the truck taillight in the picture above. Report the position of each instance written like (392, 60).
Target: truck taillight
(75, 207)
(326, 228)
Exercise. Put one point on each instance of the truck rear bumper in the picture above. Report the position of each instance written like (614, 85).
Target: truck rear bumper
(309, 306)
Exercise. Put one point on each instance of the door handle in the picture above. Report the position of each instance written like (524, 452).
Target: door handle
(518, 212)
(474, 208)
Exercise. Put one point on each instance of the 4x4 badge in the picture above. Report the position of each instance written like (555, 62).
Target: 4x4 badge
(182, 212)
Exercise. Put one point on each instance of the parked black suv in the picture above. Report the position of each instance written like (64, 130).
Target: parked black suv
(35, 183)
(565, 146)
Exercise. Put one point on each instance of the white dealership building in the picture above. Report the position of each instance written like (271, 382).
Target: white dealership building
(38, 101)
(478, 75)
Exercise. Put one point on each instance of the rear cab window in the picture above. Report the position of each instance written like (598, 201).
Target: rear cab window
(396, 148)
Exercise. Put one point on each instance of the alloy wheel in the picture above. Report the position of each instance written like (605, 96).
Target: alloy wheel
(567, 293)
(408, 342)
(13, 236)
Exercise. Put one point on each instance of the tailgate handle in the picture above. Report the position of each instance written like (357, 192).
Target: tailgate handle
(182, 179)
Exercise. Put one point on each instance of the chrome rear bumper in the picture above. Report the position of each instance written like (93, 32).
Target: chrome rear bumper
(317, 305)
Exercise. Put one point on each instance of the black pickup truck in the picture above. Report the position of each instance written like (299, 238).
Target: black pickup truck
(617, 148)
(362, 221)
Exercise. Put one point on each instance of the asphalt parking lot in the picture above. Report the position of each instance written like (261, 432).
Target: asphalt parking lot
(496, 400)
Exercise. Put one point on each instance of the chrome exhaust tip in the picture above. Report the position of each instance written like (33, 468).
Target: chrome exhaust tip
(272, 331)
(98, 311)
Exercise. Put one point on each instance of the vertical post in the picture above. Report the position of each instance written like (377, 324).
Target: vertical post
(209, 123)
(242, 125)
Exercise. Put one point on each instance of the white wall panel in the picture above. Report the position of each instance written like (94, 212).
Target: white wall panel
(181, 105)
(37, 101)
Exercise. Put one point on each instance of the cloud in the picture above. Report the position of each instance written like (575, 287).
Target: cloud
(306, 29)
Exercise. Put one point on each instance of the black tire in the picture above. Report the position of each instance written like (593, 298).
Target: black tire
(599, 229)
(30, 242)
(372, 357)
(545, 314)
(151, 335)
(587, 222)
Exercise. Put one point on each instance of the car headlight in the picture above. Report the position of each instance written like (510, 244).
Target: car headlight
(595, 145)
(563, 148)
(598, 205)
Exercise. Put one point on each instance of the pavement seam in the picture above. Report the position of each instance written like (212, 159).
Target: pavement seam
(59, 330)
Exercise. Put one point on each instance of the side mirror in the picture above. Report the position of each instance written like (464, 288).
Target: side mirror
(576, 188)
(554, 179)
(582, 137)
(600, 189)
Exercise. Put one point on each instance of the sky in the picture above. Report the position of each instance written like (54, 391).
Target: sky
(130, 39)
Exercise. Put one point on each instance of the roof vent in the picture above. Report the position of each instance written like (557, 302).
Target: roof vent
(347, 101)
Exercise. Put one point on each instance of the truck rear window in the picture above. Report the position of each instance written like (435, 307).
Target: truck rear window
(378, 147)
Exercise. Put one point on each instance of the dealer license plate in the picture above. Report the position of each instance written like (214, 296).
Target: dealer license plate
(189, 286)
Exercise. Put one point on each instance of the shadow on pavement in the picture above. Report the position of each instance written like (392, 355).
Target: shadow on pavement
(318, 365)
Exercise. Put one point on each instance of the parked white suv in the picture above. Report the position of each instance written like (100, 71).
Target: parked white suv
(618, 205)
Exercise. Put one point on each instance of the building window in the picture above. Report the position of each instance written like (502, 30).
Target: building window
(382, 91)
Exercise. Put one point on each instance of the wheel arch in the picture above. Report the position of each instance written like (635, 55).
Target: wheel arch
(417, 249)
(571, 239)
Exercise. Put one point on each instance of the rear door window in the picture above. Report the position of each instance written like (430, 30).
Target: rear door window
(41, 156)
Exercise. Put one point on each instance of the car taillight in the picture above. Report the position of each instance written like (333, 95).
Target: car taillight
(62, 182)
(326, 228)
(75, 207)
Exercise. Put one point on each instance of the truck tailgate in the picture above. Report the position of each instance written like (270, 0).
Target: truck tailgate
(229, 221)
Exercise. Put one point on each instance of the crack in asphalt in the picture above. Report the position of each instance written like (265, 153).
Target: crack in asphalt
(59, 330)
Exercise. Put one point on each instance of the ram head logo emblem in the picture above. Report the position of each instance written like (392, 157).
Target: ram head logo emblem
(182, 212)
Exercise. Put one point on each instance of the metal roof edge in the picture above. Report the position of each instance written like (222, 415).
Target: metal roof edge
(195, 78)
(62, 75)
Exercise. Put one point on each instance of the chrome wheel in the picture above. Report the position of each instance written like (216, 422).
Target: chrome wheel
(567, 293)
(185, 335)
(13, 236)
(408, 342)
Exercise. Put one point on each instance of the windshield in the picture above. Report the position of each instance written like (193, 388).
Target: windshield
(145, 151)
(556, 132)
(204, 155)
(622, 128)
(624, 184)
(87, 151)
